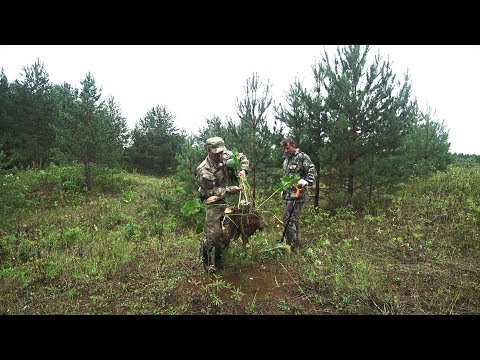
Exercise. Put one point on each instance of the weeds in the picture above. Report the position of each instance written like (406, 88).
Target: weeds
(120, 250)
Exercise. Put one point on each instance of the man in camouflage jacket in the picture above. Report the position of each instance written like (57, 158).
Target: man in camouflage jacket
(295, 161)
(214, 187)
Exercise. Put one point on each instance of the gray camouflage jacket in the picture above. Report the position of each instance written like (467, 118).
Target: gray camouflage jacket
(300, 163)
(212, 177)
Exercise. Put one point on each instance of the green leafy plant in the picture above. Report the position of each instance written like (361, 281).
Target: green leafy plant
(128, 196)
(234, 164)
(252, 308)
(285, 182)
(237, 295)
(195, 206)
(53, 269)
(214, 288)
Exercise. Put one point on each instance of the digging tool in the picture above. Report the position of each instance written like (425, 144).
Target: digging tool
(297, 195)
(281, 245)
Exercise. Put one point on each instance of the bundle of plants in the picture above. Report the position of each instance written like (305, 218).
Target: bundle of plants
(241, 221)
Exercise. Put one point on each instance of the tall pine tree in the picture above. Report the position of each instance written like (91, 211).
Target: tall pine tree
(368, 115)
(156, 141)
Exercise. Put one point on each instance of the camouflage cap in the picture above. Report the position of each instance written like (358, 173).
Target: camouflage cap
(215, 144)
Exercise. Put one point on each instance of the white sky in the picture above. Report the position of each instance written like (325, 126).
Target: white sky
(196, 82)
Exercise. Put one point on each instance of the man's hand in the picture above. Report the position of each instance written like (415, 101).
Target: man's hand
(234, 189)
(302, 183)
(242, 174)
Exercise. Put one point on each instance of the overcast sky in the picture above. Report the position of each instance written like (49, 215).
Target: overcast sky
(196, 82)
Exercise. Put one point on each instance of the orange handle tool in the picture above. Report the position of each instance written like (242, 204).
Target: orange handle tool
(299, 190)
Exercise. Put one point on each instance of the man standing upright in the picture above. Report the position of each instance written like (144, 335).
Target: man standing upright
(295, 161)
(214, 187)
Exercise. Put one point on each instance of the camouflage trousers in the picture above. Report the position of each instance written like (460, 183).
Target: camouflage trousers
(213, 226)
(213, 238)
(291, 233)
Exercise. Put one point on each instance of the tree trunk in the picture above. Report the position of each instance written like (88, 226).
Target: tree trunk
(88, 175)
(351, 167)
(254, 185)
(317, 188)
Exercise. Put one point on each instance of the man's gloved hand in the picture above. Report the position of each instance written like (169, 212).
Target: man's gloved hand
(242, 174)
(234, 189)
(302, 183)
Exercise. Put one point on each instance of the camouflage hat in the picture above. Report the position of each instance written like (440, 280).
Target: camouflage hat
(215, 144)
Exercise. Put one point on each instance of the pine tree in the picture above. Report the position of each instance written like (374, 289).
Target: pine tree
(253, 132)
(8, 140)
(368, 115)
(118, 133)
(86, 129)
(214, 127)
(31, 111)
(188, 158)
(426, 147)
(156, 141)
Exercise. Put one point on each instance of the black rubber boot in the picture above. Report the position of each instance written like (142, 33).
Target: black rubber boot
(294, 243)
(218, 257)
(288, 240)
(205, 258)
(295, 246)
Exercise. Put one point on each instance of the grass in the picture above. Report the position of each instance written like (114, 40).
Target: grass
(126, 249)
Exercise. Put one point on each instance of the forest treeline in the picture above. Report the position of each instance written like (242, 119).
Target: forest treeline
(360, 124)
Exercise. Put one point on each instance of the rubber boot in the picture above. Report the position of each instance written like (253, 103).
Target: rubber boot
(218, 257)
(288, 239)
(293, 242)
(206, 259)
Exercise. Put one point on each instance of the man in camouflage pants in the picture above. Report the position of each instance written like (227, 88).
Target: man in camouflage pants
(295, 161)
(214, 186)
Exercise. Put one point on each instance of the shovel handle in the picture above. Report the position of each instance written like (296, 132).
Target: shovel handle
(297, 195)
(299, 190)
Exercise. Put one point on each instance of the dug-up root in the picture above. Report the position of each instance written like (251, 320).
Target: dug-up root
(241, 223)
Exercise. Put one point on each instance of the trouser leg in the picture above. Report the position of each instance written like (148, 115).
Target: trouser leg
(213, 236)
(291, 233)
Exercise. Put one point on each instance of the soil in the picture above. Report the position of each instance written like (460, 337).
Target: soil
(268, 290)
